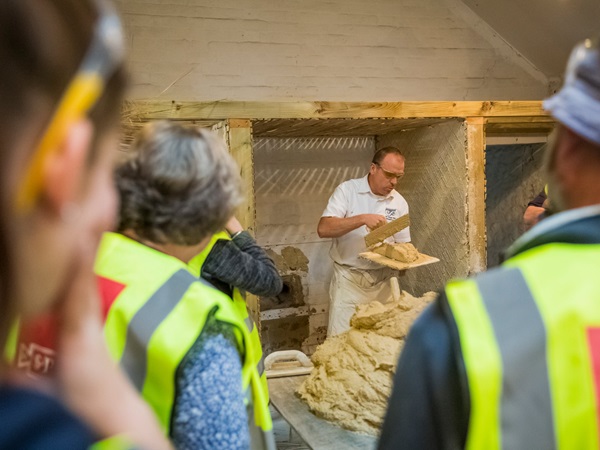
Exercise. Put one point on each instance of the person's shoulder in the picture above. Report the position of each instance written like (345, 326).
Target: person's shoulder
(33, 420)
(353, 184)
(433, 321)
(200, 287)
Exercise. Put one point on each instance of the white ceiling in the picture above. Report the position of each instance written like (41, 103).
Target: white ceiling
(544, 31)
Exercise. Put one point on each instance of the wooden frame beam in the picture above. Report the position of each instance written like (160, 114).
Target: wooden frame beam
(151, 110)
(239, 138)
(476, 230)
(240, 146)
(519, 125)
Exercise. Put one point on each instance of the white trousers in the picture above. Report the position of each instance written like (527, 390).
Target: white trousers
(351, 287)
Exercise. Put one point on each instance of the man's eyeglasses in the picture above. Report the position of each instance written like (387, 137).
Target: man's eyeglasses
(105, 53)
(389, 175)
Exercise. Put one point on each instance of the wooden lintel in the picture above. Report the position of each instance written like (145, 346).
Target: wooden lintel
(150, 110)
(503, 120)
(518, 130)
(519, 125)
(239, 137)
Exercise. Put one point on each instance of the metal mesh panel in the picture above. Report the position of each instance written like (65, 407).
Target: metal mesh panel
(435, 187)
(514, 177)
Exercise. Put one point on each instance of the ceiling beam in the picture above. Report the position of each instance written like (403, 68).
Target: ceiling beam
(219, 110)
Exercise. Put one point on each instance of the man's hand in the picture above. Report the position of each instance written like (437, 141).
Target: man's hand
(334, 227)
(373, 221)
(233, 226)
(532, 216)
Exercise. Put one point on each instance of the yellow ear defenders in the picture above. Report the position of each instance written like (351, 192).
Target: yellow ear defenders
(104, 55)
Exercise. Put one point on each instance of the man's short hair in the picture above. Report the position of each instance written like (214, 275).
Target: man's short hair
(383, 152)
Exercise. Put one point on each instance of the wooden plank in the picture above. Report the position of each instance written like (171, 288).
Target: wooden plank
(319, 434)
(130, 127)
(385, 231)
(239, 137)
(476, 232)
(519, 130)
(240, 147)
(422, 260)
(522, 119)
(519, 125)
(157, 109)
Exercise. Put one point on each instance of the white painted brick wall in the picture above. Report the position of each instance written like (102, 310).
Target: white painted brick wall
(337, 50)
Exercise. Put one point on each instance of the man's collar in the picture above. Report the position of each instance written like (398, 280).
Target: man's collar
(575, 226)
(363, 185)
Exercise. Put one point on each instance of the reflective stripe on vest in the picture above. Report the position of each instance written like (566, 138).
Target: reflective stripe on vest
(162, 331)
(145, 322)
(521, 397)
(156, 319)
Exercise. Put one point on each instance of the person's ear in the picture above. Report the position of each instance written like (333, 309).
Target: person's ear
(567, 153)
(65, 167)
(372, 169)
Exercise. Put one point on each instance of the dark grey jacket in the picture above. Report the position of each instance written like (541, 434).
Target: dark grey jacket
(243, 264)
(430, 403)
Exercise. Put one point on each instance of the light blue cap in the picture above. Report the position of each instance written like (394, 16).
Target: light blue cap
(577, 104)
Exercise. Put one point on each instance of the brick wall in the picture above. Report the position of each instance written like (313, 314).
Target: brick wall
(344, 50)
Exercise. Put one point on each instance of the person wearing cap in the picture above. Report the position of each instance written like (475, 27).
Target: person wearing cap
(356, 207)
(511, 358)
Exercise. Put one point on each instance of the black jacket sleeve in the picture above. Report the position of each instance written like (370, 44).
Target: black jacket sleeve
(429, 405)
(242, 263)
(539, 199)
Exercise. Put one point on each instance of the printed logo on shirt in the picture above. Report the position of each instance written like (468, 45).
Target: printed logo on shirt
(391, 213)
(35, 359)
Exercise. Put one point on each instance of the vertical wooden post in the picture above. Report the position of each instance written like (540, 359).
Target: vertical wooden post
(239, 137)
(476, 231)
(240, 147)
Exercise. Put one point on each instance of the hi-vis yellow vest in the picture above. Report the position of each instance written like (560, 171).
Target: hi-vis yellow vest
(157, 312)
(530, 339)
(195, 265)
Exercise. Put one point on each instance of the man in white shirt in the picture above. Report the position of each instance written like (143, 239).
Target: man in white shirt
(356, 207)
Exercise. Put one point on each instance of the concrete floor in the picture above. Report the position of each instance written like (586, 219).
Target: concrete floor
(285, 437)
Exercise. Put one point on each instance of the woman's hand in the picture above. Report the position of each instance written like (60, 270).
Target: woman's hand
(233, 226)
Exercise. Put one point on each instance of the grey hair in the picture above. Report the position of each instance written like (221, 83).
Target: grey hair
(179, 186)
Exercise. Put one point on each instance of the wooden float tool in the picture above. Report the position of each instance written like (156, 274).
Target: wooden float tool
(389, 229)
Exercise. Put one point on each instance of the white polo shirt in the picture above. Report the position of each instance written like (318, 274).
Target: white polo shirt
(354, 197)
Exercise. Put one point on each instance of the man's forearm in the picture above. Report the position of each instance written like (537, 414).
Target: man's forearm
(334, 227)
